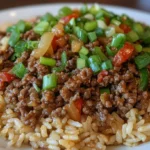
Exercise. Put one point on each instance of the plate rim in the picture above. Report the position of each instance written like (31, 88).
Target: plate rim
(78, 3)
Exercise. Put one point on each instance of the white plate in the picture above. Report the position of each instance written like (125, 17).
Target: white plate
(12, 15)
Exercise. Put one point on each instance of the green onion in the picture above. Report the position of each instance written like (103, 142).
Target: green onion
(20, 47)
(132, 36)
(63, 63)
(58, 69)
(41, 27)
(138, 28)
(98, 51)
(110, 52)
(107, 65)
(92, 36)
(84, 50)
(107, 13)
(49, 81)
(144, 75)
(146, 37)
(64, 58)
(138, 47)
(36, 87)
(68, 29)
(81, 34)
(118, 40)
(14, 38)
(142, 60)
(23, 26)
(90, 26)
(99, 32)
(11, 29)
(72, 22)
(110, 31)
(80, 24)
(146, 49)
(99, 15)
(115, 22)
(84, 9)
(84, 57)
(95, 58)
(94, 9)
(48, 17)
(32, 44)
(19, 70)
(47, 61)
(104, 90)
(64, 11)
(95, 67)
(81, 63)
(94, 62)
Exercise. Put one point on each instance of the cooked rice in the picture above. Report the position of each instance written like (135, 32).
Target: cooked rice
(57, 134)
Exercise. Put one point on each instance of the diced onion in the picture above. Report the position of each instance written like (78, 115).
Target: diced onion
(73, 112)
(101, 24)
(44, 45)
(110, 31)
(76, 45)
(4, 43)
(58, 29)
(89, 16)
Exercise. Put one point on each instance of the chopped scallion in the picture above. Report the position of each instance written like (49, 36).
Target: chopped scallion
(142, 60)
(92, 36)
(49, 81)
(47, 61)
(19, 70)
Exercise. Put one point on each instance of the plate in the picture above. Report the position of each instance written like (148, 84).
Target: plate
(28, 12)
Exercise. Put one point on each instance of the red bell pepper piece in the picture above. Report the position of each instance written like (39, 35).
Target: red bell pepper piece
(123, 54)
(125, 28)
(66, 19)
(101, 75)
(54, 43)
(6, 77)
(79, 104)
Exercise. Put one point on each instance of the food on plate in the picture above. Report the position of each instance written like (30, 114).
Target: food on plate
(79, 80)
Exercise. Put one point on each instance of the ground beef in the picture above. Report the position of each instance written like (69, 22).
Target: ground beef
(72, 84)
(30, 35)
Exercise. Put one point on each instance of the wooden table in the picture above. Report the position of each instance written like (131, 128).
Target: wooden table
(138, 4)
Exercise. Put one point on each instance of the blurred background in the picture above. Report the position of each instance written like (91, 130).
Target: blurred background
(137, 4)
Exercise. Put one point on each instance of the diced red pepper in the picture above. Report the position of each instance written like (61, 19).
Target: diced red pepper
(101, 75)
(66, 19)
(54, 44)
(123, 54)
(125, 28)
(6, 77)
(79, 104)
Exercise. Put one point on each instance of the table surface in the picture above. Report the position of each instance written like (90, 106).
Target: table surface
(137, 4)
